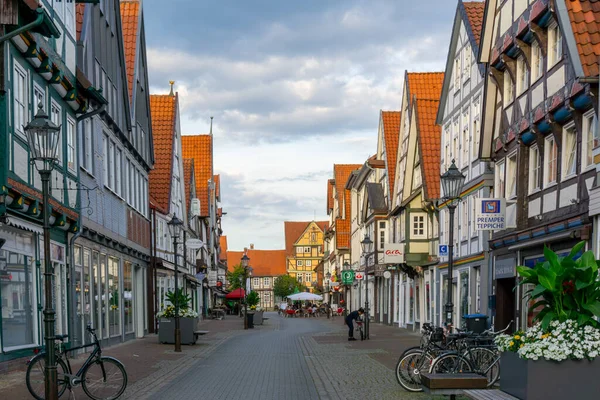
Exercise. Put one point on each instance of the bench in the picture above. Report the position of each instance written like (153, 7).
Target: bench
(452, 384)
(199, 333)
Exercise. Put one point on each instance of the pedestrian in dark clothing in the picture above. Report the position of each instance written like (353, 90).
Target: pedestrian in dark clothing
(354, 315)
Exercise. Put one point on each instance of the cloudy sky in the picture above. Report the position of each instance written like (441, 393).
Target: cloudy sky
(294, 87)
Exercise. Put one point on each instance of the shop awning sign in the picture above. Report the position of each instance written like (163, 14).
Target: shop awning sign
(490, 214)
(393, 253)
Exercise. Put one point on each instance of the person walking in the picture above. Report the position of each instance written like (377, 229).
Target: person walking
(354, 315)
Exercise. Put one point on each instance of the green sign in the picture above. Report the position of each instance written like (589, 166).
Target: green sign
(347, 277)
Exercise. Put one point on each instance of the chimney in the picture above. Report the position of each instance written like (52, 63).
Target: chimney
(251, 246)
(245, 250)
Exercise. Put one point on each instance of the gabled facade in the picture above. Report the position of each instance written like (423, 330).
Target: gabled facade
(167, 196)
(38, 68)
(459, 115)
(304, 249)
(538, 127)
(267, 266)
(417, 189)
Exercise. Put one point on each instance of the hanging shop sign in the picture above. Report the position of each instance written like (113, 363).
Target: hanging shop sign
(490, 214)
(212, 278)
(194, 244)
(393, 253)
(347, 277)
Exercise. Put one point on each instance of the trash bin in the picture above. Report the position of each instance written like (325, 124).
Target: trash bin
(476, 322)
(250, 317)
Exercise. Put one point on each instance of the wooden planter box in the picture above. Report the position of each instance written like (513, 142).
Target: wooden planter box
(166, 330)
(549, 380)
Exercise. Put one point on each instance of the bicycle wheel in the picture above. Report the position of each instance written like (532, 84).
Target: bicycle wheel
(409, 370)
(451, 363)
(35, 376)
(485, 362)
(104, 379)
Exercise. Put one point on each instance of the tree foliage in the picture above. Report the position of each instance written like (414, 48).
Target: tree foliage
(285, 285)
(253, 299)
(235, 278)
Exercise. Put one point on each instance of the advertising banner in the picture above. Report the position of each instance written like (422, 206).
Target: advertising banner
(490, 214)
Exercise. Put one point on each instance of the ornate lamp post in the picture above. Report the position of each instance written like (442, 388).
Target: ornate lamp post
(366, 246)
(245, 264)
(452, 184)
(346, 266)
(327, 289)
(43, 137)
(175, 228)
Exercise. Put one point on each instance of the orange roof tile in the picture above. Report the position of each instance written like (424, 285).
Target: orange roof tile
(425, 85)
(330, 185)
(222, 247)
(163, 111)
(429, 145)
(130, 16)
(585, 21)
(199, 147)
(474, 10)
(217, 179)
(391, 133)
(342, 222)
(188, 168)
(293, 230)
(79, 13)
(263, 262)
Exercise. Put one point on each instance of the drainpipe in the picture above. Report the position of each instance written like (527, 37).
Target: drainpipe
(38, 21)
(91, 113)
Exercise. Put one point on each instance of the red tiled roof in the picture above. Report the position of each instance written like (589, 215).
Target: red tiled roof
(222, 247)
(263, 262)
(79, 12)
(330, 185)
(342, 222)
(293, 230)
(429, 145)
(585, 21)
(130, 17)
(188, 168)
(163, 111)
(474, 10)
(425, 85)
(391, 133)
(199, 147)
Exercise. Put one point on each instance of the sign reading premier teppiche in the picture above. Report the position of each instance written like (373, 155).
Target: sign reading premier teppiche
(490, 214)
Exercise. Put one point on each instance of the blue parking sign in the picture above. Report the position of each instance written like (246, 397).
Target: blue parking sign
(443, 250)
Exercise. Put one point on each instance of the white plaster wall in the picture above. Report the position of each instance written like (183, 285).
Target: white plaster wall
(537, 95)
(549, 202)
(534, 207)
(555, 81)
(567, 194)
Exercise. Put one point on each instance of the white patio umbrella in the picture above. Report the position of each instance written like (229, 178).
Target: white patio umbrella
(305, 296)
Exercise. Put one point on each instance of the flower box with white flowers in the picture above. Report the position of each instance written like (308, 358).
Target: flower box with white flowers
(558, 357)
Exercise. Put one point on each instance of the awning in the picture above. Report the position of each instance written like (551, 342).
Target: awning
(236, 294)
(28, 226)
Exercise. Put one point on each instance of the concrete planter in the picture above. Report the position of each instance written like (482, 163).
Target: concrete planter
(549, 380)
(258, 317)
(166, 330)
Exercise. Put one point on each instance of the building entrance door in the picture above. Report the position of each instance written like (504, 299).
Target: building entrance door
(505, 304)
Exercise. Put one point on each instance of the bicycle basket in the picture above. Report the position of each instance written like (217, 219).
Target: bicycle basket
(437, 335)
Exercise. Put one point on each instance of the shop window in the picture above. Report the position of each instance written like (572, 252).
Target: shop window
(128, 296)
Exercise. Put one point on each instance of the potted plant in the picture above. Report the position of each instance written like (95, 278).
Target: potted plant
(253, 300)
(188, 319)
(557, 358)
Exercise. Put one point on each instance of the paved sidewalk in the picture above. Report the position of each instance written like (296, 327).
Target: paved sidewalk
(148, 363)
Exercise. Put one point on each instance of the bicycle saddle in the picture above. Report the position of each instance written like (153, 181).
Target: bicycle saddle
(61, 337)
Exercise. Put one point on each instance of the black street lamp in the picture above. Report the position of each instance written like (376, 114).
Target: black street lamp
(43, 137)
(245, 265)
(327, 289)
(175, 228)
(452, 184)
(366, 246)
(346, 266)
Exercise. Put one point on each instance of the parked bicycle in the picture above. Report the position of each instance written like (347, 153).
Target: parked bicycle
(101, 377)
(360, 329)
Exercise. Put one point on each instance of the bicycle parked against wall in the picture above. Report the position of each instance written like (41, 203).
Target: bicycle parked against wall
(101, 377)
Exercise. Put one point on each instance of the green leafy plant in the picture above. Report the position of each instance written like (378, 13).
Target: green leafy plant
(568, 289)
(179, 298)
(285, 285)
(252, 299)
(235, 278)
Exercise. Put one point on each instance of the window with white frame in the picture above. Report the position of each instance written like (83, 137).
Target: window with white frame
(457, 73)
(509, 93)
(56, 118)
(256, 283)
(475, 138)
(535, 167)
(132, 185)
(299, 263)
(522, 75)
(266, 282)
(118, 172)
(464, 226)
(465, 144)
(569, 152)
(87, 161)
(419, 229)
(111, 164)
(511, 176)
(554, 45)
(105, 159)
(308, 263)
(126, 188)
(417, 178)
(499, 184)
(307, 250)
(299, 278)
(382, 233)
(71, 143)
(473, 213)
(69, 15)
(588, 140)
(39, 97)
(550, 161)
(20, 98)
(537, 62)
